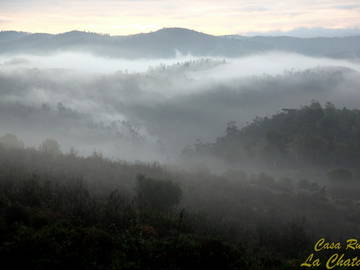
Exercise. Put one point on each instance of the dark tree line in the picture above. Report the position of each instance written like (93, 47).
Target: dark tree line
(315, 136)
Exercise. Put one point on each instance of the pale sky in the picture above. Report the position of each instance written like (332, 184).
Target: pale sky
(218, 17)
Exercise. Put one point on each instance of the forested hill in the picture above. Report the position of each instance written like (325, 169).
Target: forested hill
(65, 211)
(314, 135)
(168, 42)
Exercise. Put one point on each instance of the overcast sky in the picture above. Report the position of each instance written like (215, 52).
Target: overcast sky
(210, 16)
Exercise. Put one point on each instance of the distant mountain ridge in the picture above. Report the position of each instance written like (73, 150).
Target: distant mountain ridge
(312, 32)
(167, 42)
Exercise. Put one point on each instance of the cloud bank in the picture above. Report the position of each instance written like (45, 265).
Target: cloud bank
(154, 109)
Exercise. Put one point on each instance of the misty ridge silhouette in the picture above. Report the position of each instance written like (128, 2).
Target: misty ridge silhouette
(165, 42)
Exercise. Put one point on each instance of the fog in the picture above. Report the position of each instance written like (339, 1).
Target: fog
(85, 62)
(272, 63)
(150, 109)
(175, 163)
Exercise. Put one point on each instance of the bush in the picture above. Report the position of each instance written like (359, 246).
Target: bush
(10, 141)
(51, 147)
(160, 195)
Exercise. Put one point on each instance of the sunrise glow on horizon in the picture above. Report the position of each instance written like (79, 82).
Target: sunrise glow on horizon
(213, 17)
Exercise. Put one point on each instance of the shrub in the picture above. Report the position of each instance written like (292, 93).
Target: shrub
(157, 194)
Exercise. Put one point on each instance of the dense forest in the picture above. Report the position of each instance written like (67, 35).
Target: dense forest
(313, 136)
(63, 210)
(179, 135)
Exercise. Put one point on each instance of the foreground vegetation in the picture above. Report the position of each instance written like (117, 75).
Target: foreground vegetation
(63, 211)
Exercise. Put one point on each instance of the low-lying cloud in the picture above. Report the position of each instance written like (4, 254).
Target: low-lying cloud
(151, 109)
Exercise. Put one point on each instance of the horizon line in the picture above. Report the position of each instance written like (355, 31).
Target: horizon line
(274, 33)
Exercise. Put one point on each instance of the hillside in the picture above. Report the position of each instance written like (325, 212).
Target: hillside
(168, 42)
(62, 211)
(312, 136)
